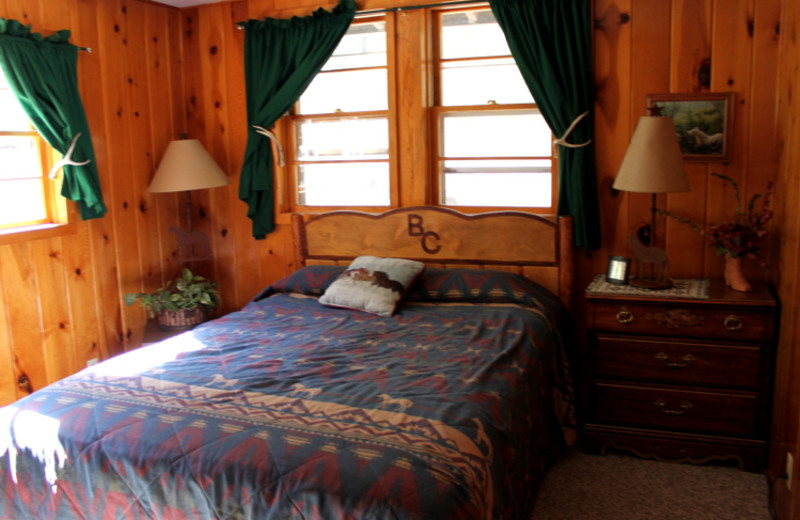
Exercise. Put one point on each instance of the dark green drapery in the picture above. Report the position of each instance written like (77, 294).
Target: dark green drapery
(551, 43)
(42, 74)
(281, 57)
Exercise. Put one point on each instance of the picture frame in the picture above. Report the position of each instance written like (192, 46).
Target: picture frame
(703, 122)
(618, 270)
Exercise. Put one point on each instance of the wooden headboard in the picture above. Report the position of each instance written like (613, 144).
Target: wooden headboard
(512, 241)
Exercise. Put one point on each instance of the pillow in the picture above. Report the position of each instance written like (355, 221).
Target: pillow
(311, 280)
(373, 284)
(479, 286)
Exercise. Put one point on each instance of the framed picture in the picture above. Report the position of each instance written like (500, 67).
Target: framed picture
(618, 270)
(703, 122)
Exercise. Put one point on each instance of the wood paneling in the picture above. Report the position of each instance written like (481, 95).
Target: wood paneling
(786, 416)
(61, 294)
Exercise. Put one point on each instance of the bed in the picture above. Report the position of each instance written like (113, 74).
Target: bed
(449, 406)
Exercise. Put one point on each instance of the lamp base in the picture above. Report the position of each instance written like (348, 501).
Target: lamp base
(647, 283)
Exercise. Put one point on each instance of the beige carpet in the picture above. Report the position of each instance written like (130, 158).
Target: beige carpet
(622, 487)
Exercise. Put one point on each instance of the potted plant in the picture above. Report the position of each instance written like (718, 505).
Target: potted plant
(182, 303)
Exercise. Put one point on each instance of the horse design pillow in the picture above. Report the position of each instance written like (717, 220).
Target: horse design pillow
(373, 284)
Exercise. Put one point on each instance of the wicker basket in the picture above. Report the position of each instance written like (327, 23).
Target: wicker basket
(183, 319)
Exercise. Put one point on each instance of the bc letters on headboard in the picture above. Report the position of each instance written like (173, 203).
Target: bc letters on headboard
(514, 241)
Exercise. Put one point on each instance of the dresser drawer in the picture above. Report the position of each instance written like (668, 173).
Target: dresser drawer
(681, 321)
(641, 406)
(691, 363)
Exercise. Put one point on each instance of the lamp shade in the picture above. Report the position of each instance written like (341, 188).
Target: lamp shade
(653, 162)
(187, 165)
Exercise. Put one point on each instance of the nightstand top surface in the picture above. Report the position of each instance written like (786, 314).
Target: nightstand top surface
(717, 292)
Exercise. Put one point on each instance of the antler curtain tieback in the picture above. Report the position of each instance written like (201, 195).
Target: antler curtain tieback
(67, 159)
(267, 133)
(563, 139)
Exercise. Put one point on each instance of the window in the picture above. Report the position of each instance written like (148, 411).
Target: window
(341, 147)
(27, 197)
(488, 143)
(494, 147)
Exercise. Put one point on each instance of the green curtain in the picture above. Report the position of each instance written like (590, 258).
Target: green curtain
(42, 73)
(551, 43)
(281, 57)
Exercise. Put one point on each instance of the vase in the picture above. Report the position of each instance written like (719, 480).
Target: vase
(734, 277)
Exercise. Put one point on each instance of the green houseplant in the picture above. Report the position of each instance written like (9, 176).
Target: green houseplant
(182, 303)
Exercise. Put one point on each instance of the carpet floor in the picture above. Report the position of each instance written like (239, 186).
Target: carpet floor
(622, 487)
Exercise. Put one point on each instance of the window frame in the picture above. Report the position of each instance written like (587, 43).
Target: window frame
(415, 141)
(439, 111)
(289, 122)
(60, 216)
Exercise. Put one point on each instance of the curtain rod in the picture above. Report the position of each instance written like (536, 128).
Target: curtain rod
(423, 6)
(407, 8)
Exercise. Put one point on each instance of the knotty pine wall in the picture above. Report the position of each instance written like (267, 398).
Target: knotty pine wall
(786, 412)
(60, 295)
(158, 71)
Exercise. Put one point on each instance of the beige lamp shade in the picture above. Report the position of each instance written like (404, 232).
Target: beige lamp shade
(187, 165)
(653, 162)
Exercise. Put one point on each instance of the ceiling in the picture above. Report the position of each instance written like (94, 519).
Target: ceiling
(186, 3)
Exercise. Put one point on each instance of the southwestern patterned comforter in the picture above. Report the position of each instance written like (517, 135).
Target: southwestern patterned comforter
(289, 409)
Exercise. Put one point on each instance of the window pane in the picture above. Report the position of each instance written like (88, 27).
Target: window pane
(348, 91)
(471, 34)
(464, 83)
(13, 117)
(499, 187)
(344, 184)
(364, 45)
(343, 139)
(496, 135)
(19, 157)
(22, 201)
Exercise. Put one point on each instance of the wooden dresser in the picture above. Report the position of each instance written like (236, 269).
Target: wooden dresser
(681, 379)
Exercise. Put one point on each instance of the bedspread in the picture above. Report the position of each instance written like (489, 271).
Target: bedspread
(290, 409)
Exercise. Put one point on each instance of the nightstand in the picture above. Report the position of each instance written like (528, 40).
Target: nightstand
(153, 333)
(679, 378)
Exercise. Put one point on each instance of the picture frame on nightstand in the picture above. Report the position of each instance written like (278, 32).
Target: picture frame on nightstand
(618, 270)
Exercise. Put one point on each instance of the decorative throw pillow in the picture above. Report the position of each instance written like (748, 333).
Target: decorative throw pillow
(373, 284)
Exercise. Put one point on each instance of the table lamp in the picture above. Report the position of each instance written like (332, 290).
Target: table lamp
(653, 164)
(187, 166)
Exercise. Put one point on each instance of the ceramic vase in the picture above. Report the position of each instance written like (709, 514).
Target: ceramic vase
(734, 276)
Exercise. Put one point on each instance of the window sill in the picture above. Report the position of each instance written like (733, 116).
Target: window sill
(40, 231)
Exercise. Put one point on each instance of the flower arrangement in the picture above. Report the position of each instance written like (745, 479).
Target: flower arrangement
(742, 236)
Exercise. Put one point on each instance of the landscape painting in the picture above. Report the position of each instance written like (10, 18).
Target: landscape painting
(702, 122)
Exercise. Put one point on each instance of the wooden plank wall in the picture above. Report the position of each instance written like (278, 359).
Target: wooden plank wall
(61, 297)
(786, 414)
(685, 46)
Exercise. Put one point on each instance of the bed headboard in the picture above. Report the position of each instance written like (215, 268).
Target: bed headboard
(534, 246)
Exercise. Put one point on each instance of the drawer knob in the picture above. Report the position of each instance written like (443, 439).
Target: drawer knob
(732, 323)
(662, 405)
(686, 360)
(624, 316)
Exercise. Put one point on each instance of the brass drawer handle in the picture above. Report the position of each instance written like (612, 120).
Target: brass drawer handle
(624, 316)
(661, 404)
(732, 323)
(688, 359)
